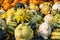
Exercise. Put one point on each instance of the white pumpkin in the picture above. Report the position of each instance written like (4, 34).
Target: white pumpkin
(45, 30)
(56, 6)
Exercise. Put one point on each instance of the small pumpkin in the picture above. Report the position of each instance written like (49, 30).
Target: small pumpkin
(24, 1)
(6, 6)
(15, 2)
(1, 1)
(7, 1)
(36, 1)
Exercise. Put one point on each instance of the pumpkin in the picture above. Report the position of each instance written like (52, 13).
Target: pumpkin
(24, 1)
(6, 6)
(23, 32)
(56, 1)
(1, 1)
(15, 2)
(7, 1)
(56, 6)
(36, 1)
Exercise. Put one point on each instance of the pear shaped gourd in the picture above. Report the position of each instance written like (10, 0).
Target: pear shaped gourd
(44, 28)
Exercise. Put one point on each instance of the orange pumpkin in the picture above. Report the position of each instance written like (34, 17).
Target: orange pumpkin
(36, 1)
(56, 1)
(24, 1)
(15, 2)
(30, 1)
(7, 6)
(7, 1)
(1, 1)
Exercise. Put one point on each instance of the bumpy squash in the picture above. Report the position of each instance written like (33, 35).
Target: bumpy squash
(21, 16)
(23, 32)
(46, 8)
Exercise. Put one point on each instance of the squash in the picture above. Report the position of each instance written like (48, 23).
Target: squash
(1, 1)
(9, 15)
(7, 1)
(24, 1)
(36, 1)
(56, 6)
(2, 24)
(33, 7)
(46, 8)
(23, 32)
(7, 6)
(21, 16)
(15, 2)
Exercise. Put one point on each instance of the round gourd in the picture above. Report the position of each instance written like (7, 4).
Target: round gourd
(23, 32)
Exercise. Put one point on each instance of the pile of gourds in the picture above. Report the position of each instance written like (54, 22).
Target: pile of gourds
(30, 20)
